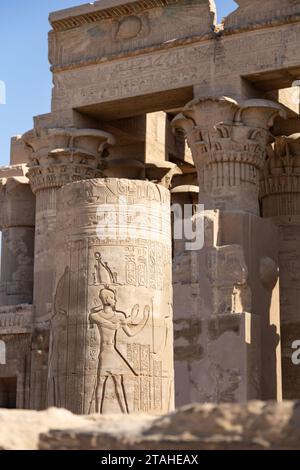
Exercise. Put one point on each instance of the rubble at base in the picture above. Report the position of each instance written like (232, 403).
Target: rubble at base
(254, 425)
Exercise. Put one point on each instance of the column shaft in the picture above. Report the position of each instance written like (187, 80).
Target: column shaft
(17, 266)
(44, 252)
(17, 207)
(111, 335)
(237, 267)
(280, 199)
(57, 156)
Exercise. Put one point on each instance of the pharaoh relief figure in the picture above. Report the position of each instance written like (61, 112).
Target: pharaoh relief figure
(112, 363)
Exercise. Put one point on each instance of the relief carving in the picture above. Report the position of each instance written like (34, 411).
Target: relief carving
(110, 353)
(112, 363)
(280, 178)
(103, 274)
(58, 329)
(131, 27)
(229, 276)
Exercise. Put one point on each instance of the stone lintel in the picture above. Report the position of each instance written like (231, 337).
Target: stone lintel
(14, 171)
(18, 151)
(108, 9)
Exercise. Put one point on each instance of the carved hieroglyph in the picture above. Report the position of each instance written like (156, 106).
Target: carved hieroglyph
(111, 330)
(105, 30)
(17, 219)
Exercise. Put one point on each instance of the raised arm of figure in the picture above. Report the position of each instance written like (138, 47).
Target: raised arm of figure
(136, 329)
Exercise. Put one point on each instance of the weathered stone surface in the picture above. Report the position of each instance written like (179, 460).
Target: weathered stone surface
(19, 153)
(161, 76)
(16, 319)
(229, 147)
(20, 430)
(254, 14)
(60, 156)
(111, 328)
(104, 29)
(102, 304)
(256, 425)
(14, 171)
(15, 337)
(280, 192)
(228, 143)
(17, 220)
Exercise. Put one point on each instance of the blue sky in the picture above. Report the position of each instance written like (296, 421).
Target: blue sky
(24, 62)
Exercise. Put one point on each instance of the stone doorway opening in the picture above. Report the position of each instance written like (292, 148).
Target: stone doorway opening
(8, 392)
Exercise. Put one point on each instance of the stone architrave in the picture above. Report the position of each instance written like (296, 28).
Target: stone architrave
(238, 307)
(111, 347)
(280, 199)
(254, 13)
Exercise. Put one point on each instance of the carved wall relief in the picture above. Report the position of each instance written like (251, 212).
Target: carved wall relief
(280, 201)
(135, 28)
(112, 339)
(131, 27)
(112, 363)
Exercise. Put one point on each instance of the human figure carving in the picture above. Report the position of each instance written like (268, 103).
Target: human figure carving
(111, 362)
(58, 324)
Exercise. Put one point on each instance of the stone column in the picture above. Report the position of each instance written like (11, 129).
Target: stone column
(57, 157)
(238, 292)
(112, 336)
(280, 200)
(17, 219)
(187, 321)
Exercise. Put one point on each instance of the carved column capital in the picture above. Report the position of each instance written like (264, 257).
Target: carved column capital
(280, 179)
(228, 143)
(62, 155)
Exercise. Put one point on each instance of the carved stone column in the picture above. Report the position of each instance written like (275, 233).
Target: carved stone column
(280, 200)
(58, 157)
(187, 321)
(112, 335)
(17, 219)
(238, 304)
